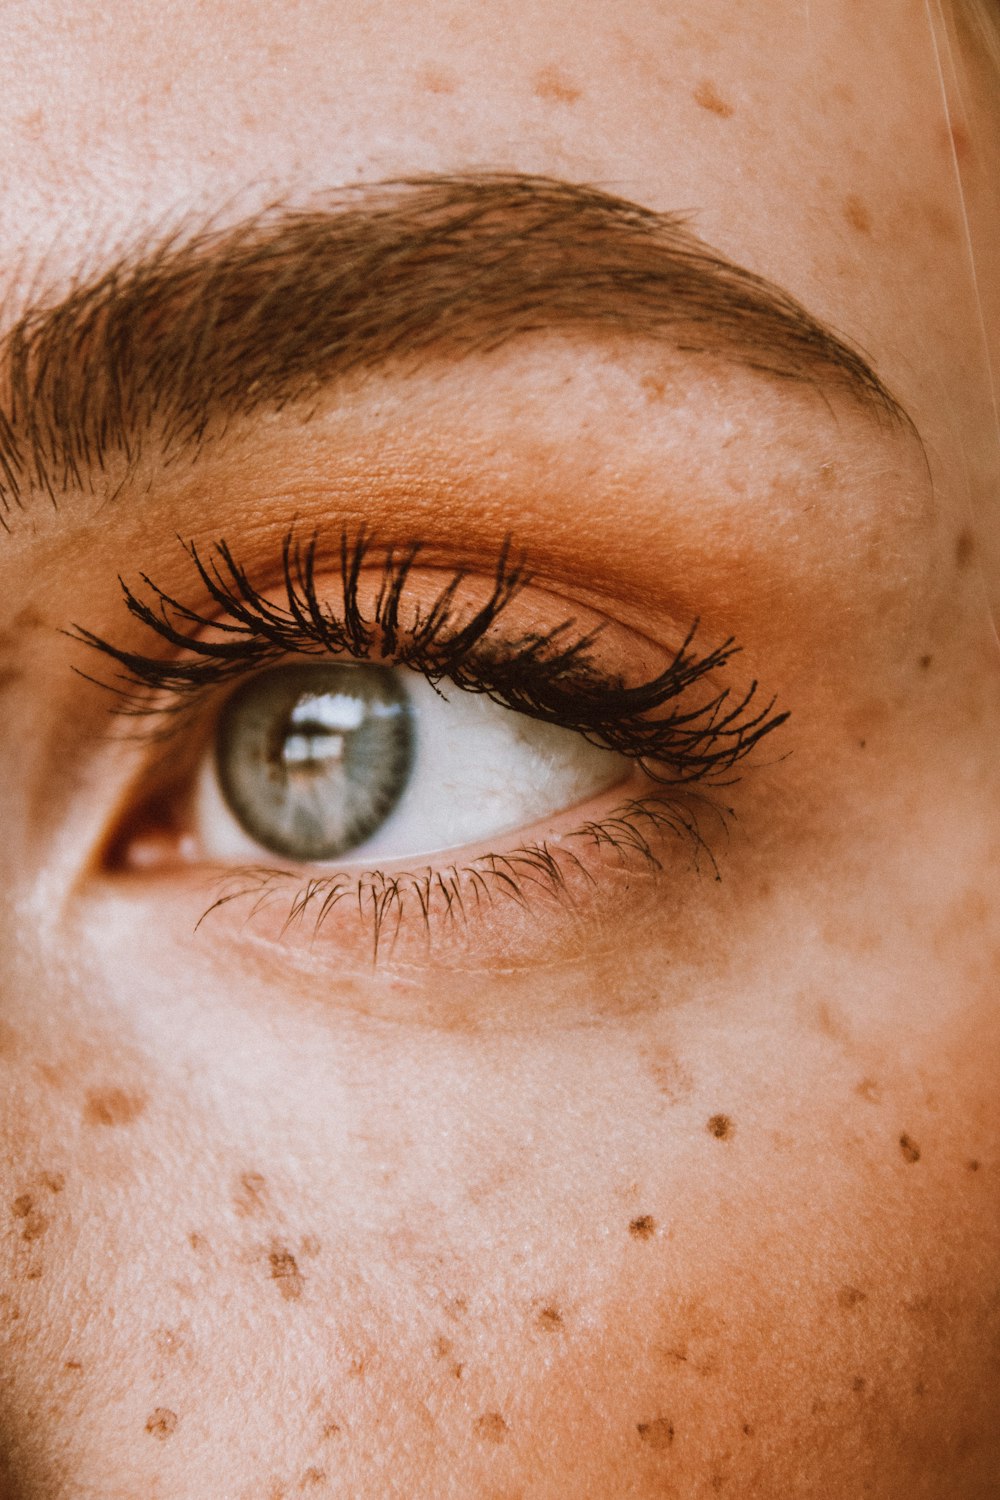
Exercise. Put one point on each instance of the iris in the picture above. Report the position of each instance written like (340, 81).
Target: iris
(313, 758)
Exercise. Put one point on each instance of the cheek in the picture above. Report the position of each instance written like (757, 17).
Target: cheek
(699, 1250)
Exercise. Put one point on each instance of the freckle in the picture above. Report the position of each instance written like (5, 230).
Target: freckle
(458, 1371)
(22, 1206)
(437, 80)
(858, 1383)
(909, 1148)
(671, 1078)
(870, 1090)
(973, 1165)
(850, 1296)
(161, 1423)
(549, 1320)
(35, 1226)
(250, 1194)
(960, 141)
(721, 1126)
(311, 1477)
(197, 1241)
(919, 1389)
(311, 1245)
(552, 83)
(167, 1341)
(655, 388)
(747, 1430)
(490, 1427)
(657, 1434)
(442, 1348)
(965, 547)
(925, 663)
(111, 1106)
(285, 1271)
(642, 1227)
(72, 1364)
(330, 1430)
(857, 214)
(709, 98)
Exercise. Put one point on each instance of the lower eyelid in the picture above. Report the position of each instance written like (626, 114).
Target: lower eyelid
(563, 873)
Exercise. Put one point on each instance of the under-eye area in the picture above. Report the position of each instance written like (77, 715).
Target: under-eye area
(376, 735)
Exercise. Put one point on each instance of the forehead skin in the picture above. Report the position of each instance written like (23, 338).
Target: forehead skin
(738, 1234)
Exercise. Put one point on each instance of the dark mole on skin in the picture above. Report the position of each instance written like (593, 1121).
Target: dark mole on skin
(111, 1106)
(658, 1434)
(161, 1423)
(925, 662)
(909, 1148)
(965, 546)
(708, 97)
(285, 1271)
(972, 1165)
(721, 1126)
(549, 1320)
(642, 1227)
(490, 1427)
(850, 1296)
(747, 1430)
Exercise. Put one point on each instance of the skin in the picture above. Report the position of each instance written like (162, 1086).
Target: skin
(694, 1191)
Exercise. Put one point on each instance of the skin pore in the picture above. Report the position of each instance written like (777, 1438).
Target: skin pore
(680, 1185)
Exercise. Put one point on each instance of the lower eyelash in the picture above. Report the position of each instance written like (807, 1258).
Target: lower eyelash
(634, 834)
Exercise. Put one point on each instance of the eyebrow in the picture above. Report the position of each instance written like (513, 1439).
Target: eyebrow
(181, 337)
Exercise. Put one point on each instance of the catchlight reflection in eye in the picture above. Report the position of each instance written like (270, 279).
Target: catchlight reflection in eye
(332, 761)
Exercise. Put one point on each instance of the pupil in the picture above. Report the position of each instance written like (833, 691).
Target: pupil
(313, 758)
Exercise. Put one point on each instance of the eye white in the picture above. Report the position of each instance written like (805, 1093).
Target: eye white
(475, 770)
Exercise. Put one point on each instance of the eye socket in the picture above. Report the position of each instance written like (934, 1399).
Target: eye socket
(331, 762)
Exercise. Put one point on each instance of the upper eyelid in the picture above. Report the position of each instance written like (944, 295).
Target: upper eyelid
(548, 676)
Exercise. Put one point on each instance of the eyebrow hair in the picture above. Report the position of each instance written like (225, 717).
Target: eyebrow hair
(181, 337)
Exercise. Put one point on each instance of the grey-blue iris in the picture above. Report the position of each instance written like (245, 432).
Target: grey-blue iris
(313, 758)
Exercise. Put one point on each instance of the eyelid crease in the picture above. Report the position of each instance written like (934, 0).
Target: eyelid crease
(550, 677)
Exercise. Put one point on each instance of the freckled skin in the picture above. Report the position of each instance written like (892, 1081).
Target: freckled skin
(708, 1203)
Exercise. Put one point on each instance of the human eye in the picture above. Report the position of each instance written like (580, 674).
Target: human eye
(376, 741)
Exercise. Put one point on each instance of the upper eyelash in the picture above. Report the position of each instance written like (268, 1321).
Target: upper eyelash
(548, 677)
